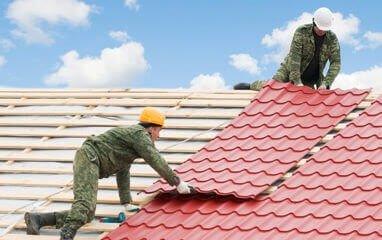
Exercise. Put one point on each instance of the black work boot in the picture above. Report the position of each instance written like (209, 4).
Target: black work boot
(35, 221)
(242, 86)
(67, 233)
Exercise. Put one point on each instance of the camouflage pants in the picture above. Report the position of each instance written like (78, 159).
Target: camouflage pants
(85, 186)
(258, 85)
(282, 75)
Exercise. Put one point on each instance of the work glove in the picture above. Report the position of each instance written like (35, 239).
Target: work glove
(323, 86)
(131, 207)
(183, 188)
(242, 86)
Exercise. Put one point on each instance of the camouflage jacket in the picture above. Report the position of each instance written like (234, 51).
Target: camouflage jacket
(115, 150)
(302, 51)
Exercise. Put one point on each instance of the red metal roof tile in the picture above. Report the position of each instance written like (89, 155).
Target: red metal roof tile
(340, 187)
(273, 133)
(335, 195)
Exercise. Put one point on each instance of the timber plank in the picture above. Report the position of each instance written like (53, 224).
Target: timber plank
(31, 157)
(36, 237)
(86, 112)
(89, 102)
(75, 146)
(86, 133)
(214, 103)
(125, 94)
(100, 123)
(62, 183)
(37, 158)
(127, 102)
(63, 170)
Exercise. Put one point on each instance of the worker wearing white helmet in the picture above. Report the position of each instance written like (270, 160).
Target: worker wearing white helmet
(323, 18)
(313, 45)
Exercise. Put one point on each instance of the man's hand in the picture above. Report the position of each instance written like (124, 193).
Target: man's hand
(131, 207)
(183, 188)
(323, 86)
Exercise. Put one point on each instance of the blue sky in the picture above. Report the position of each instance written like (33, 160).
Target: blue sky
(203, 44)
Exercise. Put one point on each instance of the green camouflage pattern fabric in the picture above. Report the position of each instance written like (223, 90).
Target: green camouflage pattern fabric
(301, 53)
(101, 156)
(257, 85)
(85, 186)
(115, 150)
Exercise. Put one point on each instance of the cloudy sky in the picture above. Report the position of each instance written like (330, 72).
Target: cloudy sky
(199, 44)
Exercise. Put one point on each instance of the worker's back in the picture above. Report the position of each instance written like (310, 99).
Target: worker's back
(114, 149)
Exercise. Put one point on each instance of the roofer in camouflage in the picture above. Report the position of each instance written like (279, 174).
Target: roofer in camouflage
(100, 156)
(312, 46)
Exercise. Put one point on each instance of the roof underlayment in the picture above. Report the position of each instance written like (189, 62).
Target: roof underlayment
(40, 129)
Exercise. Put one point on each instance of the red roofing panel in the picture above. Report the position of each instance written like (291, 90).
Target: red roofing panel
(273, 133)
(335, 195)
(340, 187)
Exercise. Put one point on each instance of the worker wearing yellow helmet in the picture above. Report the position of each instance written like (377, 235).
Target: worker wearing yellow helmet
(101, 156)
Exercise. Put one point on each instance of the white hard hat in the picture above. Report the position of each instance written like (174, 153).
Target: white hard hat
(323, 18)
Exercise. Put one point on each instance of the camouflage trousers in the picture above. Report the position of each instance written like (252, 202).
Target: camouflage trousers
(282, 75)
(85, 186)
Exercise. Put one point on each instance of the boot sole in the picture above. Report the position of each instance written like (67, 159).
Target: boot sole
(30, 230)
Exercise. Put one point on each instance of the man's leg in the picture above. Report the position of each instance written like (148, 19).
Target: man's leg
(282, 74)
(257, 85)
(85, 186)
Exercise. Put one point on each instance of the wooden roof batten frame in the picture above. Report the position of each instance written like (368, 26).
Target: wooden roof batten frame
(62, 125)
(180, 98)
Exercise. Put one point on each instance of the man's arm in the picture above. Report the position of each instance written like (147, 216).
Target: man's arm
(335, 63)
(123, 182)
(146, 149)
(295, 58)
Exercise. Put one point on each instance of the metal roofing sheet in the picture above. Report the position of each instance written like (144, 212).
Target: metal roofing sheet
(273, 133)
(335, 195)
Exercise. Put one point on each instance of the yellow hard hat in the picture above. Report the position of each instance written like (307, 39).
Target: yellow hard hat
(152, 115)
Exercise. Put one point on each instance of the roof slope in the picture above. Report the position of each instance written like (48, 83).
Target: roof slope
(335, 195)
(40, 130)
(271, 135)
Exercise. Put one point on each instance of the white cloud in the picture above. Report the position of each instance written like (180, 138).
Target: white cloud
(132, 4)
(30, 15)
(244, 62)
(373, 40)
(280, 38)
(6, 44)
(120, 36)
(361, 79)
(115, 67)
(2, 61)
(206, 82)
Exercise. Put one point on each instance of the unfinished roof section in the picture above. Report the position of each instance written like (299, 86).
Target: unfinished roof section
(40, 129)
(280, 126)
(335, 195)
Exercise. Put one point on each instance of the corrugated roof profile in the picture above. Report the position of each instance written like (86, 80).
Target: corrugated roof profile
(276, 130)
(335, 195)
